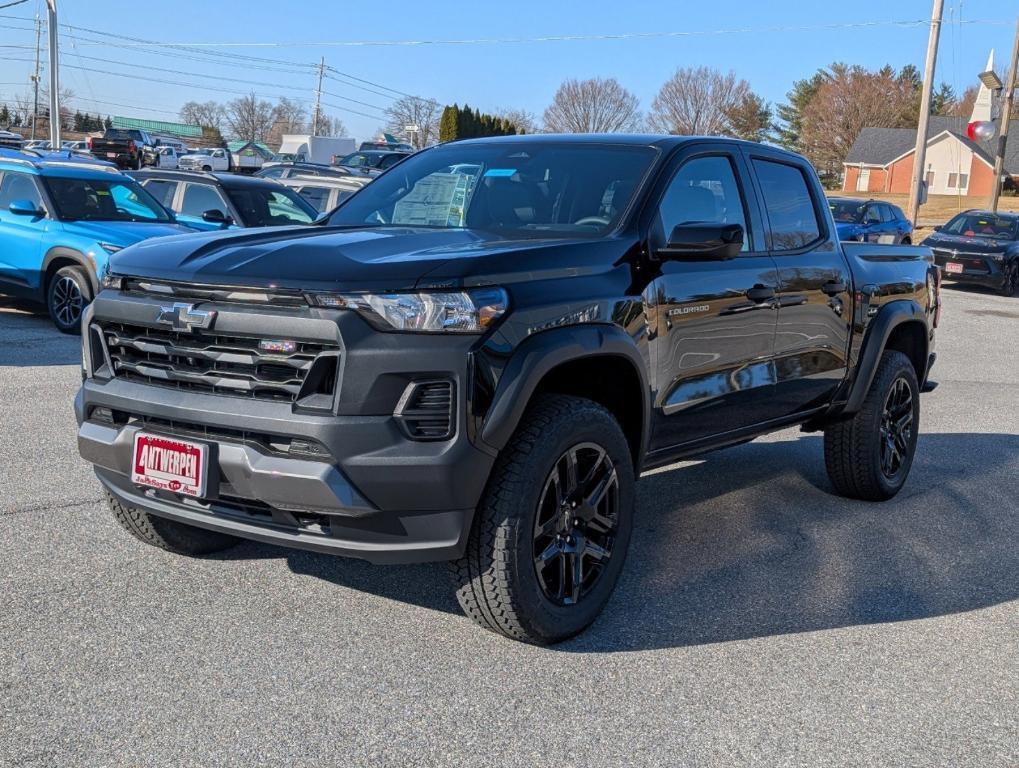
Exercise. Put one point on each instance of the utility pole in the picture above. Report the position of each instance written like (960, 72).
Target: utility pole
(920, 155)
(35, 77)
(54, 76)
(1006, 116)
(318, 97)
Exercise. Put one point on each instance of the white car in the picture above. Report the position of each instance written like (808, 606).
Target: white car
(168, 157)
(205, 160)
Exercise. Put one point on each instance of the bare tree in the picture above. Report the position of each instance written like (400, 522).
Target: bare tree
(703, 101)
(210, 114)
(250, 118)
(592, 106)
(522, 120)
(850, 99)
(327, 126)
(412, 110)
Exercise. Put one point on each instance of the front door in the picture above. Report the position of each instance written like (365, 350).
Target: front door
(20, 235)
(713, 321)
(815, 284)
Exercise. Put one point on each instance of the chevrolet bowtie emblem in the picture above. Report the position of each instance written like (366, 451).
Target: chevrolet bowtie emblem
(185, 318)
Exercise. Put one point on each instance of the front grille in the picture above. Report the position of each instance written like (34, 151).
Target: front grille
(275, 297)
(225, 365)
(426, 410)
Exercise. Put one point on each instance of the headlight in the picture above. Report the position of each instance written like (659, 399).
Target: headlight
(111, 247)
(471, 311)
(110, 280)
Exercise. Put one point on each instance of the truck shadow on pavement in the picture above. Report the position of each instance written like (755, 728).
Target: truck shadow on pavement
(750, 542)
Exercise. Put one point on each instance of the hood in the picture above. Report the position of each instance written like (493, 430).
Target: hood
(948, 242)
(337, 258)
(124, 233)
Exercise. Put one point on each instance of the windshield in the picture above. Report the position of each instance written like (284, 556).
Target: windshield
(977, 225)
(113, 199)
(525, 188)
(846, 211)
(271, 207)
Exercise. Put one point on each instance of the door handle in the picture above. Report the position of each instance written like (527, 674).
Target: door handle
(760, 294)
(834, 288)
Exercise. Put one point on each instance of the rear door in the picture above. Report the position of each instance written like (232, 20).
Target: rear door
(713, 321)
(815, 283)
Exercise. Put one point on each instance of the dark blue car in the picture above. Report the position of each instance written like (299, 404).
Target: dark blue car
(870, 221)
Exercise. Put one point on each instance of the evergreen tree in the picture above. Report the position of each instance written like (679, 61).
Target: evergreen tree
(5, 116)
(108, 123)
(449, 123)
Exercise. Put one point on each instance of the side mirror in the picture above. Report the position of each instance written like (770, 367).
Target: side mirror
(708, 242)
(26, 208)
(938, 227)
(216, 216)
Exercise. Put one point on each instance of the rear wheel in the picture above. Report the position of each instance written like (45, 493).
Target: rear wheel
(1010, 284)
(550, 536)
(166, 534)
(869, 456)
(68, 294)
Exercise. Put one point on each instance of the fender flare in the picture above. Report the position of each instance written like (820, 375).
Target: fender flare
(539, 354)
(889, 317)
(63, 252)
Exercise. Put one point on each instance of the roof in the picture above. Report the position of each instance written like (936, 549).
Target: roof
(338, 182)
(59, 163)
(162, 126)
(232, 180)
(880, 146)
(237, 146)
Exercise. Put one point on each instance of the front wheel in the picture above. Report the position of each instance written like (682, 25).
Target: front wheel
(1010, 284)
(869, 455)
(66, 298)
(550, 536)
(178, 538)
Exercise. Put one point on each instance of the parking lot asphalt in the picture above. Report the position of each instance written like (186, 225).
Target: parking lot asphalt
(760, 619)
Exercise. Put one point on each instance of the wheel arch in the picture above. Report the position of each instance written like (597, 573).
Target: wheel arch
(899, 325)
(62, 256)
(599, 362)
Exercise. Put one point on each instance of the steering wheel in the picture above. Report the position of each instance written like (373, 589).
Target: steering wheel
(598, 220)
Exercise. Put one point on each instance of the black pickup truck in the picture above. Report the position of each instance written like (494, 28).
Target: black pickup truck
(473, 358)
(129, 148)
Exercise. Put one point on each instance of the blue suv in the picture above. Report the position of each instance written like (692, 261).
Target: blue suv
(870, 221)
(60, 218)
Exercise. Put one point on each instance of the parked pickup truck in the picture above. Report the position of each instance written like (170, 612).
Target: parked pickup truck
(210, 159)
(474, 357)
(127, 147)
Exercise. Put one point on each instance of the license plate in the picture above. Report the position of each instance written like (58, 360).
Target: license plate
(169, 464)
(111, 154)
(954, 268)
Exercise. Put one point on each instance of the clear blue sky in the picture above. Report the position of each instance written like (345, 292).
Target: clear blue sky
(487, 75)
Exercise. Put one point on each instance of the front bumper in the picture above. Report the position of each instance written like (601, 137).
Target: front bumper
(367, 490)
(977, 269)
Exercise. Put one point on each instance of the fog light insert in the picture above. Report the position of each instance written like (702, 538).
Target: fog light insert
(104, 415)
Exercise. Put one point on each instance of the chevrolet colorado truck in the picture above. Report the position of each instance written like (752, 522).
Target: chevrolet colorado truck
(474, 357)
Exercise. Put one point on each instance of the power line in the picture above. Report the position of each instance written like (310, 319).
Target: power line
(906, 23)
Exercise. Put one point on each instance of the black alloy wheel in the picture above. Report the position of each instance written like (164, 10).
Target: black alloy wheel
(576, 524)
(1010, 285)
(896, 428)
(66, 300)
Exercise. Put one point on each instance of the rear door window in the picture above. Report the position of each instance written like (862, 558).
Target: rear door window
(317, 196)
(789, 205)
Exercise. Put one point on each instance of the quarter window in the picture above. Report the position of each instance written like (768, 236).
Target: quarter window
(704, 190)
(789, 204)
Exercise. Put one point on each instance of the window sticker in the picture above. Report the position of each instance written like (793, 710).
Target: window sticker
(500, 173)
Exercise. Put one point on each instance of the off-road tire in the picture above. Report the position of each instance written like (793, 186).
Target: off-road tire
(852, 448)
(496, 583)
(179, 538)
(59, 284)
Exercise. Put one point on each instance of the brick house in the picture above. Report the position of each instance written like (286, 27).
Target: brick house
(881, 159)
